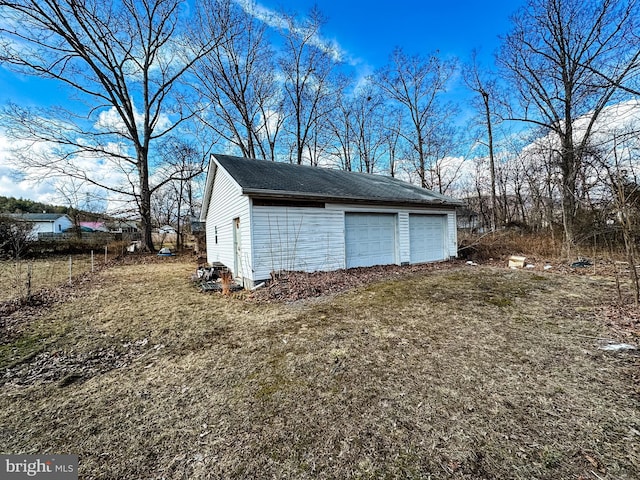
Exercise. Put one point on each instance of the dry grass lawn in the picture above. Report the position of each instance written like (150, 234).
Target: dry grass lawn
(45, 272)
(462, 374)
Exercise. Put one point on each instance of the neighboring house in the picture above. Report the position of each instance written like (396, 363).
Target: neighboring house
(167, 230)
(45, 222)
(468, 219)
(198, 231)
(122, 226)
(195, 225)
(264, 216)
(93, 227)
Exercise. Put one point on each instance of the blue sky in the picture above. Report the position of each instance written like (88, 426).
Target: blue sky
(366, 32)
(369, 30)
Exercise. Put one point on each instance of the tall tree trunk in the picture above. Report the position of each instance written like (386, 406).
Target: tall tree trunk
(145, 201)
(492, 165)
(569, 169)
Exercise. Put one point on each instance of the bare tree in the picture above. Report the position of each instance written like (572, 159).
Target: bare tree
(79, 201)
(541, 175)
(238, 78)
(307, 64)
(368, 126)
(164, 207)
(443, 163)
(185, 160)
(15, 235)
(416, 84)
(626, 193)
(340, 121)
(567, 60)
(393, 126)
(613, 155)
(625, 187)
(123, 61)
(485, 89)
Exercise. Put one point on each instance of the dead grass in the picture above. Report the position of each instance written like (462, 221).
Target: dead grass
(501, 244)
(45, 273)
(462, 373)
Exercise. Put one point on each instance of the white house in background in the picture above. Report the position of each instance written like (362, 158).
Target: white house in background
(167, 230)
(264, 216)
(45, 222)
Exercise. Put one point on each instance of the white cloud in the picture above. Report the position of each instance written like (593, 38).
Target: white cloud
(613, 120)
(13, 182)
(279, 21)
(109, 120)
(40, 186)
(40, 192)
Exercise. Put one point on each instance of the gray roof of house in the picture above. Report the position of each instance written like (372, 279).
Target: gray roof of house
(37, 217)
(263, 178)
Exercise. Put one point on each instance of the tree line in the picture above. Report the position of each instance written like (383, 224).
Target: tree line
(20, 205)
(159, 84)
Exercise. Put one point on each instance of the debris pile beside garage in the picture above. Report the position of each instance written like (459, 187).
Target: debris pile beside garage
(288, 287)
(215, 278)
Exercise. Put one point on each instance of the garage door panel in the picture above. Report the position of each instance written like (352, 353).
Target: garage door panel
(427, 238)
(369, 239)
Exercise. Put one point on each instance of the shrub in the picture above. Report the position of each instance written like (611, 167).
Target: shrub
(504, 243)
(15, 237)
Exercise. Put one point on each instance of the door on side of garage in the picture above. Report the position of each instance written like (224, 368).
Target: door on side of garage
(427, 234)
(370, 239)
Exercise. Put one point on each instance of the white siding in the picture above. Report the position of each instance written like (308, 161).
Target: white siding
(294, 238)
(43, 227)
(62, 224)
(297, 238)
(55, 226)
(404, 247)
(452, 230)
(227, 203)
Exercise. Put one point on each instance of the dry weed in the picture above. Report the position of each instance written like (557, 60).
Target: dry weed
(504, 243)
(45, 273)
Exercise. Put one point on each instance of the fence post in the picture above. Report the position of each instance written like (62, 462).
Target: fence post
(29, 273)
(91, 261)
(70, 263)
(105, 254)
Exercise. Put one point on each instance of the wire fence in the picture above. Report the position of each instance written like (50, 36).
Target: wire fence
(21, 278)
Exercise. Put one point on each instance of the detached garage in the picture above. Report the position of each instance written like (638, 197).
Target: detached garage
(263, 217)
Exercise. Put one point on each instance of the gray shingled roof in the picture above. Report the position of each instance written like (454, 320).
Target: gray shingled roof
(37, 217)
(264, 178)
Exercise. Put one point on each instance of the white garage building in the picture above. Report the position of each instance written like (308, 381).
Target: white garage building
(264, 217)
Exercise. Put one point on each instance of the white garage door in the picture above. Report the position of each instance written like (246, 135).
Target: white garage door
(370, 239)
(427, 238)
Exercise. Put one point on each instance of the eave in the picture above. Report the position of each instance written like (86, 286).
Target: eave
(284, 195)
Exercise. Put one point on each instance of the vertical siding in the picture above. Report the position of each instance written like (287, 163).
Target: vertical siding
(452, 230)
(227, 203)
(403, 237)
(297, 238)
